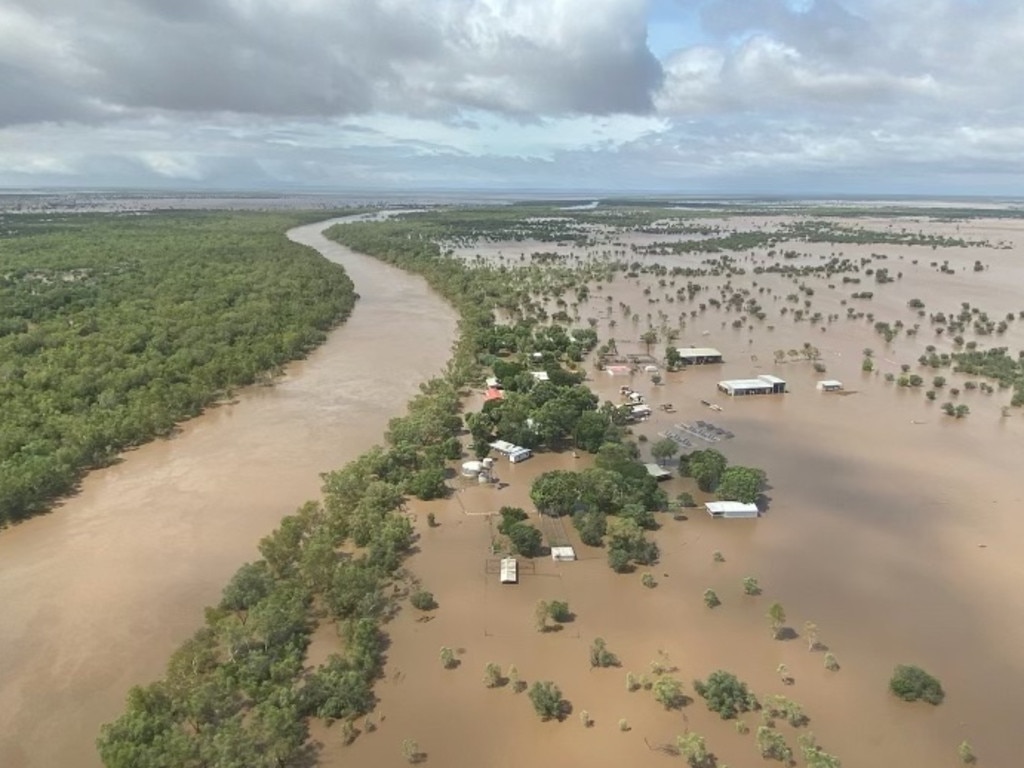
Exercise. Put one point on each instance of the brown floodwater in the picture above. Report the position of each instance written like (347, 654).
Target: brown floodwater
(895, 528)
(98, 594)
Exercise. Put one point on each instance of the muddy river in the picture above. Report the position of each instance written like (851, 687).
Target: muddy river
(100, 592)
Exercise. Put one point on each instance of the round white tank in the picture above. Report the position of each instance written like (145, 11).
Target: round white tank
(471, 468)
(488, 463)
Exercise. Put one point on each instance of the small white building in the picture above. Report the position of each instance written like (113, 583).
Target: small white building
(830, 385)
(699, 355)
(492, 382)
(732, 509)
(563, 554)
(540, 375)
(765, 384)
(509, 571)
(514, 453)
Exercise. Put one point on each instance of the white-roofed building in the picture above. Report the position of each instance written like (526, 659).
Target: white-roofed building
(699, 355)
(765, 384)
(732, 509)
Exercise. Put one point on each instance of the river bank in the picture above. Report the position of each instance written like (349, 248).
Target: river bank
(100, 592)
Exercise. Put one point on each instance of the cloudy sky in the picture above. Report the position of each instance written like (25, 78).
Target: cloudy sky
(685, 96)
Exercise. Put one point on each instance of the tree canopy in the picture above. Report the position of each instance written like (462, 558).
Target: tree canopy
(113, 329)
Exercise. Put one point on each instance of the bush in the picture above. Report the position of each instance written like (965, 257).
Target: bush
(547, 700)
(559, 611)
(911, 683)
(509, 517)
(600, 656)
(669, 692)
(725, 694)
(423, 600)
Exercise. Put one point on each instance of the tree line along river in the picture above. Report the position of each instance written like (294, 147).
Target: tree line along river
(100, 592)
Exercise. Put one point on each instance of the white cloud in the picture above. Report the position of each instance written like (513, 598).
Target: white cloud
(530, 93)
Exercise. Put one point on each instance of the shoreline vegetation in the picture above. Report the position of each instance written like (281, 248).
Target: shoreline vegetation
(114, 328)
(240, 691)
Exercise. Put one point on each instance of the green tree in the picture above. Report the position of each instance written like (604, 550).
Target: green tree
(448, 660)
(555, 493)
(692, 748)
(423, 600)
(912, 683)
(740, 484)
(600, 656)
(591, 525)
(725, 694)
(546, 698)
(706, 467)
(668, 692)
(492, 675)
(750, 586)
(525, 539)
(815, 756)
(663, 450)
(711, 599)
(251, 583)
(509, 517)
(649, 338)
(772, 745)
(559, 611)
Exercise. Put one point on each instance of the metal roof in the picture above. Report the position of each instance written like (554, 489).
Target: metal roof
(698, 352)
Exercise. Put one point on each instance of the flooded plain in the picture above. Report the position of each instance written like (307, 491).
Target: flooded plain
(893, 527)
(100, 592)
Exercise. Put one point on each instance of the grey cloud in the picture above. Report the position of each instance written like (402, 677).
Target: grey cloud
(344, 57)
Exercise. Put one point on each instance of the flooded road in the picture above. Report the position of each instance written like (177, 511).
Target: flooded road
(100, 592)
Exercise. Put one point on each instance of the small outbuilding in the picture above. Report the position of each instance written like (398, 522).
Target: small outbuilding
(618, 370)
(732, 509)
(658, 472)
(514, 453)
(540, 375)
(563, 554)
(509, 571)
(699, 355)
(830, 385)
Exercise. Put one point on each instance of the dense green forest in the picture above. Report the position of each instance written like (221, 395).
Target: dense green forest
(113, 328)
